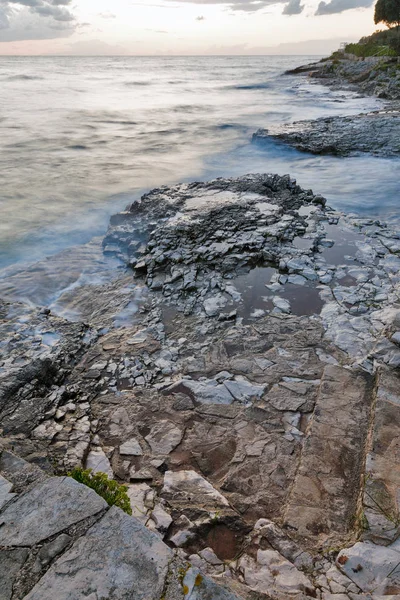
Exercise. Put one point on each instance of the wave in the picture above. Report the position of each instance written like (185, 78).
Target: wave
(137, 83)
(250, 86)
(23, 78)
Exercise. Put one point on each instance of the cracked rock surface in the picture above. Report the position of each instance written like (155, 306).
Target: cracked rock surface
(239, 373)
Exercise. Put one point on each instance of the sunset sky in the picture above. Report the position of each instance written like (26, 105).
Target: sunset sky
(181, 26)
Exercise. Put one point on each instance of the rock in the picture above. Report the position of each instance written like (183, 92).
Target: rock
(372, 568)
(134, 563)
(141, 497)
(164, 437)
(162, 519)
(11, 563)
(331, 460)
(376, 133)
(131, 448)
(281, 304)
(5, 491)
(99, 463)
(198, 587)
(244, 391)
(47, 509)
(277, 575)
(208, 391)
(182, 487)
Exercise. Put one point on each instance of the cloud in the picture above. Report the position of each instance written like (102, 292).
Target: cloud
(200, 18)
(339, 6)
(4, 22)
(237, 5)
(107, 15)
(35, 19)
(293, 7)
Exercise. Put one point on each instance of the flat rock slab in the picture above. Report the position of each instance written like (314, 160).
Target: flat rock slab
(325, 493)
(382, 486)
(376, 133)
(372, 568)
(47, 509)
(117, 559)
(184, 487)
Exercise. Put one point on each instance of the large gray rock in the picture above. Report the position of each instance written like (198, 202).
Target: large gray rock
(11, 562)
(47, 509)
(377, 133)
(5, 491)
(117, 559)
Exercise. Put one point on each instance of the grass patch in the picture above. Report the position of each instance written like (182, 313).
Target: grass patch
(363, 50)
(113, 493)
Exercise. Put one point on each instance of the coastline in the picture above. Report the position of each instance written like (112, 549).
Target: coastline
(239, 373)
(376, 133)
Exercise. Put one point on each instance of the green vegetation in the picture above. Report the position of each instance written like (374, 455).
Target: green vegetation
(388, 12)
(109, 489)
(369, 49)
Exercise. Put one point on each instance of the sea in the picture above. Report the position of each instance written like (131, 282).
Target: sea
(83, 137)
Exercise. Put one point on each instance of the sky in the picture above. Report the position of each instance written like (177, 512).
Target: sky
(181, 27)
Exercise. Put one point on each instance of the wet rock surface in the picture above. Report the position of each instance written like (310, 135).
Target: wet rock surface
(372, 76)
(248, 397)
(376, 133)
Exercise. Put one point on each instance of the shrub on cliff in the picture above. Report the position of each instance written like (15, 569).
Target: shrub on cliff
(109, 489)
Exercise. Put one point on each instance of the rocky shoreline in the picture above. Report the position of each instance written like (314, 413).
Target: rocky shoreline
(376, 133)
(240, 374)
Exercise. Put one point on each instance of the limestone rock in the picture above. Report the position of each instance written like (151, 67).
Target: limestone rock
(164, 437)
(99, 463)
(131, 448)
(183, 487)
(47, 509)
(118, 558)
(11, 562)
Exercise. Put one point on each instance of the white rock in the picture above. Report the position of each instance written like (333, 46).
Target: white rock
(185, 486)
(99, 463)
(131, 448)
(161, 518)
(138, 493)
(281, 304)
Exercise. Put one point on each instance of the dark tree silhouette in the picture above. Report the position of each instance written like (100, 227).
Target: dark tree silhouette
(388, 12)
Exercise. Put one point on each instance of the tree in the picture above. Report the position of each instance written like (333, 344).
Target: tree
(388, 12)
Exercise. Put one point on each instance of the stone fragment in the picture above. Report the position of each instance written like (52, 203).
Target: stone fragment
(243, 391)
(47, 509)
(274, 573)
(184, 487)
(131, 448)
(164, 437)
(99, 463)
(281, 304)
(161, 518)
(139, 496)
(207, 391)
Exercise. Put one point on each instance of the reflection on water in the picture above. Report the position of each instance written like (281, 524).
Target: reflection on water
(81, 137)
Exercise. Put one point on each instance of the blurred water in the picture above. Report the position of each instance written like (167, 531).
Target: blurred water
(81, 137)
